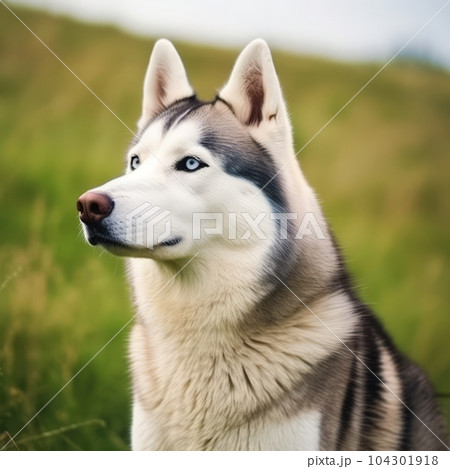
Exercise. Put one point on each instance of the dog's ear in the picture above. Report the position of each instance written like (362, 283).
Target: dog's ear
(253, 90)
(165, 81)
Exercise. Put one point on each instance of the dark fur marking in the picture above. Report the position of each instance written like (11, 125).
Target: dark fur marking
(372, 388)
(249, 161)
(206, 443)
(407, 416)
(342, 281)
(170, 114)
(348, 407)
(419, 396)
(180, 108)
(187, 384)
(417, 391)
(253, 85)
(281, 386)
(247, 380)
(230, 382)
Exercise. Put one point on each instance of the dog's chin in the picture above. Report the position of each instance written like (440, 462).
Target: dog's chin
(168, 249)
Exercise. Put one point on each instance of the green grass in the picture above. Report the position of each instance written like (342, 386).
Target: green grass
(381, 169)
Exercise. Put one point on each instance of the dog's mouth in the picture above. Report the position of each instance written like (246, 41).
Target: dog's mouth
(170, 242)
(113, 244)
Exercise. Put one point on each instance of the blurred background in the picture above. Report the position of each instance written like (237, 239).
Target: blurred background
(381, 170)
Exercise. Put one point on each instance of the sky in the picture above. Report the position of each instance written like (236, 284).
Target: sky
(341, 29)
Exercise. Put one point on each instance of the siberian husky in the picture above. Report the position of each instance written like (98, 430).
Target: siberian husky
(248, 333)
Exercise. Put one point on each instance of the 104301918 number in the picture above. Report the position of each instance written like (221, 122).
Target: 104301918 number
(409, 460)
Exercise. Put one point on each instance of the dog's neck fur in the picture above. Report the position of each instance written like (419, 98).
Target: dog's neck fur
(196, 340)
(182, 353)
(197, 293)
(202, 377)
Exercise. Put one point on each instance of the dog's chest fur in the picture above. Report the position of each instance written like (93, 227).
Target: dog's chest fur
(228, 388)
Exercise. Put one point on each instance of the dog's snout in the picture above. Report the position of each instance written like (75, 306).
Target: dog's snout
(94, 207)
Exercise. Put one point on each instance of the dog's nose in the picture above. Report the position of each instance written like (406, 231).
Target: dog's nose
(94, 207)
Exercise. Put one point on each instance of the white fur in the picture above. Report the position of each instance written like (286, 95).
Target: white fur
(298, 433)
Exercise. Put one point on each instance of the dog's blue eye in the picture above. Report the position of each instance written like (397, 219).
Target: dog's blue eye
(189, 164)
(135, 162)
(192, 164)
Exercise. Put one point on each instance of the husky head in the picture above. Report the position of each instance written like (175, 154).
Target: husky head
(202, 175)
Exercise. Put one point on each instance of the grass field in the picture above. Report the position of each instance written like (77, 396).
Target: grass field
(381, 169)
